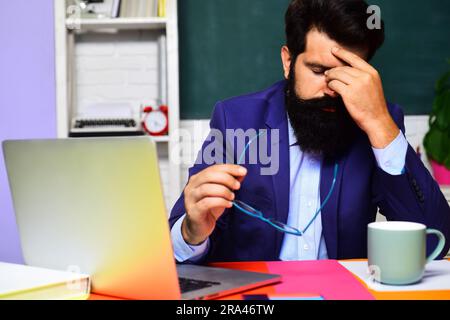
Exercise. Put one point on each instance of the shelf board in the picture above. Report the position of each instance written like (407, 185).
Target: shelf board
(161, 139)
(119, 24)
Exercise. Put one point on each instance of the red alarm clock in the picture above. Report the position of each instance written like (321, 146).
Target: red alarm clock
(156, 120)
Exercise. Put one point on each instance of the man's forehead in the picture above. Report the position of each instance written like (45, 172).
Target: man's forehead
(318, 50)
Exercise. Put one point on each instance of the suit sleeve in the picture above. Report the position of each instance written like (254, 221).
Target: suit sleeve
(414, 195)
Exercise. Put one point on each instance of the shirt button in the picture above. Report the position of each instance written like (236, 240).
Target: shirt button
(388, 163)
(309, 203)
(305, 247)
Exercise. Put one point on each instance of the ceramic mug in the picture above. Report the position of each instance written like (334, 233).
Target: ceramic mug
(397, 251)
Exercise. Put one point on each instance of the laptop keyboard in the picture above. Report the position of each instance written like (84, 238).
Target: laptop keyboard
(187, 285)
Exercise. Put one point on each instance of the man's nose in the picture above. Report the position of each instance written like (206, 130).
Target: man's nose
(327, 91)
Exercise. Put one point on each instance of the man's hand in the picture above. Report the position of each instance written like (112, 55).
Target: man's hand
(206, 197)
(361, 89)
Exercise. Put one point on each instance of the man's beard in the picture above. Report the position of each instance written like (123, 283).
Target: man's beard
(322, 126)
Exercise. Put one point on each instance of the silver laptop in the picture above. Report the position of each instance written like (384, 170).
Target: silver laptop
(96, 206)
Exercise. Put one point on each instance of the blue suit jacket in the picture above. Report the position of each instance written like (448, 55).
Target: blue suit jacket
(361, 187)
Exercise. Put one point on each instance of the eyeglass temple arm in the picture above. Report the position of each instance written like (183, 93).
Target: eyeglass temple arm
(248, 145)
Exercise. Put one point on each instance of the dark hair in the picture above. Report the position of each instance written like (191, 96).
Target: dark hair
(344, 21)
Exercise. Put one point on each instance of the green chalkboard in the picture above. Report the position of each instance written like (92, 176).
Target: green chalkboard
(232, 47)
(415, 52)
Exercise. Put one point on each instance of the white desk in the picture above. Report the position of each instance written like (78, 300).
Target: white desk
(446, 191)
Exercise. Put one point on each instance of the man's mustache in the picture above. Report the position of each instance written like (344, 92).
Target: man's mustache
(325, 103)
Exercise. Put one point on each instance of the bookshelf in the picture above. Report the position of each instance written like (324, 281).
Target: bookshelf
(163, 33)
(120, 23)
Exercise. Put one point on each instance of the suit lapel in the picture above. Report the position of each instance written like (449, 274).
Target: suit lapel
(276, 118)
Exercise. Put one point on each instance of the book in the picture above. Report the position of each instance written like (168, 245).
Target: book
(141, 8)
(151, 9)
(21, 282)
(142, 4)
(161, 8)
(127, 8)
(123, 8)
(116, 9)
(131, 8)
(102, 9)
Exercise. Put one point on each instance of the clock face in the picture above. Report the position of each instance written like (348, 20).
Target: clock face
(156, 122)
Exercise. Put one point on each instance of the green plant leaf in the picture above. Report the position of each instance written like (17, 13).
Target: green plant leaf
(442, 110)
(440, 116)
(447, 163)
(443, 83)
(437, 140)
(437, 145)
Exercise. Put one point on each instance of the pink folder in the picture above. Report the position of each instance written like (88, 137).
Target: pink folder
(327, 278)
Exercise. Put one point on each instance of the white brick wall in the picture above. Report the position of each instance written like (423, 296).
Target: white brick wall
(128, 62)
(416, 129)
(134, 94)
(119, 67)
(92, 78)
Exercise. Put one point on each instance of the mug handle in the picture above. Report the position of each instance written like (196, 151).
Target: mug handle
(440, 245)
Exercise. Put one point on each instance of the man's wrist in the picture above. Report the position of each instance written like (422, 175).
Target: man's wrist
(184, 252)
(392, 159)
(382, 132)
(188, 237)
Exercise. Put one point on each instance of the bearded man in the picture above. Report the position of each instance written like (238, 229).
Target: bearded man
(341, 147)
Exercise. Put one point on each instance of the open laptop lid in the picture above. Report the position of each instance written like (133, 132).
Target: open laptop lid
(94, 206)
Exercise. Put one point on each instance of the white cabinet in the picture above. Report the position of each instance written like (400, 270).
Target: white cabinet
(118, 60)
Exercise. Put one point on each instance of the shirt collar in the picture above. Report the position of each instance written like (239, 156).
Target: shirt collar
(292, 137)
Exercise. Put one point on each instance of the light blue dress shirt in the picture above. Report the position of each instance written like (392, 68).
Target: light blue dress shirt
(304, 200)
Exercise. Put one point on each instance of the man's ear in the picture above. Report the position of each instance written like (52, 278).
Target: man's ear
(286, 59)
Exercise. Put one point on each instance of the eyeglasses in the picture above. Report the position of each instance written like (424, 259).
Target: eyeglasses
(282, 227)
